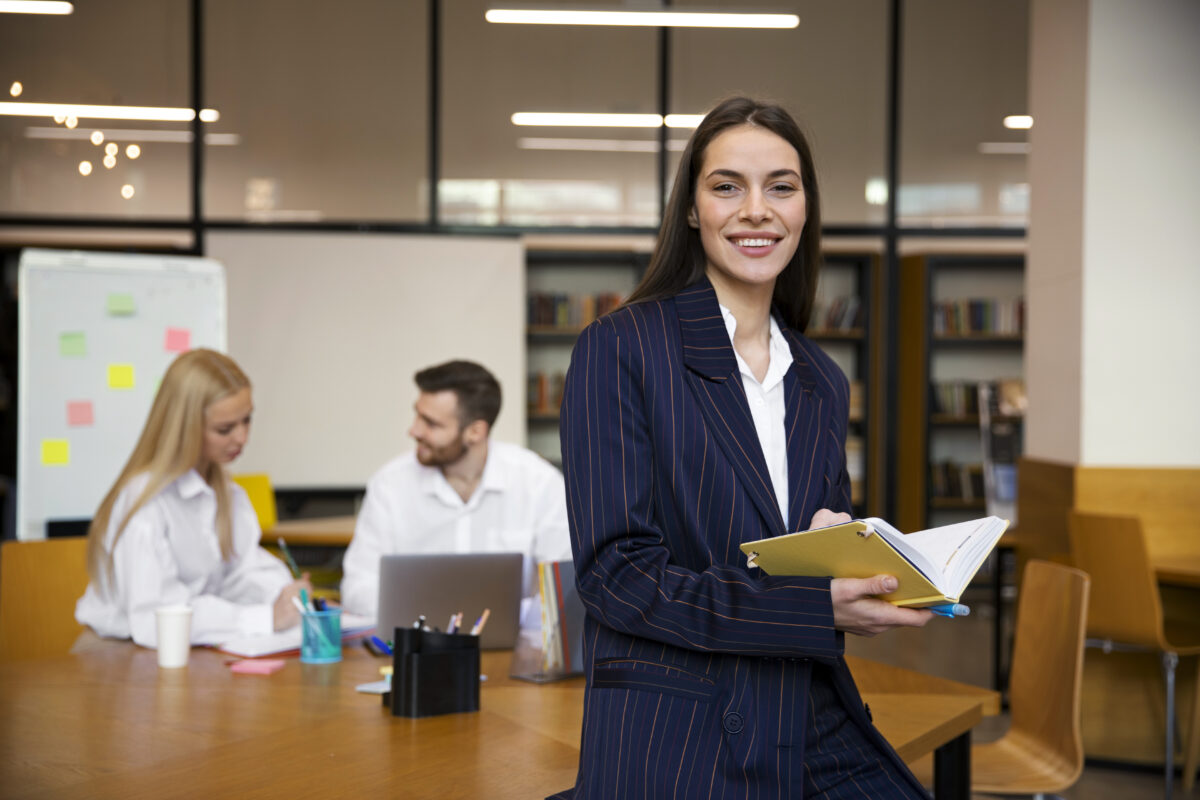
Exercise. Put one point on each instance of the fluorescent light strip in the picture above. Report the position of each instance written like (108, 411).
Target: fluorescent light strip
(557, 119)
(657, 19)
(143, 113)
(1004, 148)
(35, 7)
(1018, 122)
(132, 135)
(597, 145)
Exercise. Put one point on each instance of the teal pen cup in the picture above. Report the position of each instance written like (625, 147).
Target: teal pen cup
(321, 636)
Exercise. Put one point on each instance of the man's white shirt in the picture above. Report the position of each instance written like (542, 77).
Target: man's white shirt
(519, 506)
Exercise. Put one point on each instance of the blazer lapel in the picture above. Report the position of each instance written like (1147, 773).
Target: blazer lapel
(806, 411)
(717, 386)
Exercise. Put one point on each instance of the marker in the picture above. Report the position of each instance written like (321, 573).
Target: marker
(452, 626)
(382, 645)
(951, 610)
(479, 623)
(318, 603)
(304, 599)
(287, 555)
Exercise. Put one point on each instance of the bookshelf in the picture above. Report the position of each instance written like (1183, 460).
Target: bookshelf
(846, 306)
(565, 290)
(961, 323)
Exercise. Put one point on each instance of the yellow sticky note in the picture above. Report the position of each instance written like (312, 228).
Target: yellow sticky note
(56, 451)
(120, 376)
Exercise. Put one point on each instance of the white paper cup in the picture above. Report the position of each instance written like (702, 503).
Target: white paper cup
(174, 635)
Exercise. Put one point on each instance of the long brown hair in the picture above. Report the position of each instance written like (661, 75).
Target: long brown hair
(171, 443)
(678, 260)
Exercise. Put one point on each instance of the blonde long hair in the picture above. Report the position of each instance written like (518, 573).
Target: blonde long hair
(171, 444)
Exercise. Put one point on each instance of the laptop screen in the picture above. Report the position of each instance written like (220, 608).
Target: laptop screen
(437, 585)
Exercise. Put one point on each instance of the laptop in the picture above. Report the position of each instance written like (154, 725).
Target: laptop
(437, 585)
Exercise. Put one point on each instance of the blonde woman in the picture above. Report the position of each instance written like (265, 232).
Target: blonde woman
(175, 529)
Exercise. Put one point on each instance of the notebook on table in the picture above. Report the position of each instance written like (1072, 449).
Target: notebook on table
(436, 585)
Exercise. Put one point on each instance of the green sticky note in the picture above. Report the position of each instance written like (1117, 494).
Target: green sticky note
(121, 305)
(56, 452)
(72, 343)
(120, 376)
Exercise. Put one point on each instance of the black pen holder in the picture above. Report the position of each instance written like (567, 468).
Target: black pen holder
(434, 673)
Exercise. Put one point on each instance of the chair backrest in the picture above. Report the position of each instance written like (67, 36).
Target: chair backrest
(1125, 606)
(262, 497)
(1047, 667)
(39, 584)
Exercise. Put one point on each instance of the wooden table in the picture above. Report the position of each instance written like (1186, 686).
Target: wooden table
(320, 531)
(107, 722)
(1179, 569)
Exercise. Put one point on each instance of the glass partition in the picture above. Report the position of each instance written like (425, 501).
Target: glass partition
(324, 110)
(965, 68)
(128, 61)
(496, 172)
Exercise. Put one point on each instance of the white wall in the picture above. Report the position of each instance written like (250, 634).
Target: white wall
(1141, 331)
(331, 328)
(1113, 343)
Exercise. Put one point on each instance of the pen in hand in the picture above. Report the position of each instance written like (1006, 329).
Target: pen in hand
(287, 556)
(951, 610)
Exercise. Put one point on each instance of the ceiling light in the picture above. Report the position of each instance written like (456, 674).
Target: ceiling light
(34, 7)
(658, 18)
(85, 168)
(598, 145)
(111, 149)
(587, 120)
(141, 135)
(77, 110)
(70, 121)
(684, 120)
(1004, 148)
(127, 191)
(1018, 122)
(97, 137)
(16, 89)
(133, 151)
(110, 161)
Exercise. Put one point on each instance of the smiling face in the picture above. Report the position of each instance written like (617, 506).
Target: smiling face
(749, 208)
(226, 428)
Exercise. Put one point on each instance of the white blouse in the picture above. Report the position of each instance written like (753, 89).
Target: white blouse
(169, 554)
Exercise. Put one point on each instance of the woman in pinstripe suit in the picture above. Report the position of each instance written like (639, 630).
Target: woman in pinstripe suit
(695, 418)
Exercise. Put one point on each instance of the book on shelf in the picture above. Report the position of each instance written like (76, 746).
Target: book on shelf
(964, 317)
(569, 311)
(842, 313)
(957, 481)
(544, 393)
(932, 566)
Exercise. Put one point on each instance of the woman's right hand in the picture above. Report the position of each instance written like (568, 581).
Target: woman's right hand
(286, 613)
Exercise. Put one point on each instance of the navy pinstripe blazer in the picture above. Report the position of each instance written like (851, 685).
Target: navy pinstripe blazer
(697, 668)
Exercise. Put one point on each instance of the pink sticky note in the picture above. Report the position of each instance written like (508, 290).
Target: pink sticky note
(179, 340)
(79, 413)
(257, 666)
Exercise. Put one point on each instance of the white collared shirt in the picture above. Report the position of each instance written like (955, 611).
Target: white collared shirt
(767, 406)
(518, 507)
(168, 554)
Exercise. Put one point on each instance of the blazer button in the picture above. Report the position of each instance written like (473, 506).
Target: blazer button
(733, 722)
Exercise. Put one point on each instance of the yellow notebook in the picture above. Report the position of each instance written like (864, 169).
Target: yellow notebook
(933, 566)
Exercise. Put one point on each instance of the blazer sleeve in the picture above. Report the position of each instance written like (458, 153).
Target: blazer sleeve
(630, 571)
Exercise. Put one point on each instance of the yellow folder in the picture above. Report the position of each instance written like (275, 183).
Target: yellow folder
(848, 550)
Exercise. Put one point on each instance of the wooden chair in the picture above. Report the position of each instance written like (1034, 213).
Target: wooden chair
(262, 497)
(39, 584)
(1042, 752)
(1127, 610)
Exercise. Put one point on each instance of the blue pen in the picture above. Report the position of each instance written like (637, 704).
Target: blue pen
(951, 610)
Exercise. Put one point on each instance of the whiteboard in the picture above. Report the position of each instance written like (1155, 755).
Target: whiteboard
(97, 332)
(330, 328)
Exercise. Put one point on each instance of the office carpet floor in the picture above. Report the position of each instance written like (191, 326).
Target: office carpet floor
(955, 649)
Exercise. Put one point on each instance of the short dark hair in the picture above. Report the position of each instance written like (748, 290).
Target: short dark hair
(678, 260)
(477, 390)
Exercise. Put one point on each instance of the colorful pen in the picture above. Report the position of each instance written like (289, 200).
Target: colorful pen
(287, 556)
(479, 623)
(951, 610)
